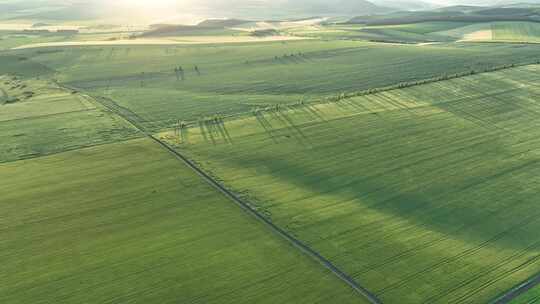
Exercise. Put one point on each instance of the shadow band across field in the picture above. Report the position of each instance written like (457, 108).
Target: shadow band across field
(115, 227)
(279, 231)
(399, 190)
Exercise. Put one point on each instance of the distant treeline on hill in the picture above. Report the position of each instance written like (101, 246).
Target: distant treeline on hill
(449, 15)
(409, 20)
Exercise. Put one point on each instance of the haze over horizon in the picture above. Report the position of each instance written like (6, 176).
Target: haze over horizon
(194, 11)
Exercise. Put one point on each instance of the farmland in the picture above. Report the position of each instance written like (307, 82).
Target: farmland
(389, 158)
(128, 223)
(236, 78)
(402, 33)
(531, 297)
(436, 31)
(425, 194)
(37, 117)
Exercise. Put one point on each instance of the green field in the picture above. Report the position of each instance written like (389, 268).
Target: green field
(37, 117)
(403, 33)
(424, 195)
(516, 31)
(531, 297)
(237, 78)
(129, 223)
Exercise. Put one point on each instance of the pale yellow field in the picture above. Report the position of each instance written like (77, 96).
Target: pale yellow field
(483, 35)
(165, 41)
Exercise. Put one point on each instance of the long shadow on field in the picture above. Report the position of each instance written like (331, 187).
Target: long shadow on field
(224, 132)
(283, 117)
(184, 135)
(266, 126)
(212, 132)
(219, 129)
(313, 112)
(202, 127)
(437, 184)
(352, 104)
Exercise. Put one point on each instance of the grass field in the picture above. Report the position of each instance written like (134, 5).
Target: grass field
(424, 195)
(238, 78)
(403, 33)
(37, 117)
(531, 297)
(515, 32)
(128, 223)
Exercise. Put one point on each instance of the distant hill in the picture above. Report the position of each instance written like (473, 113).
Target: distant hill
(206, 27)
(221, 23)
(458, 13)
(304, 7)
(404, 5)
(336, 7)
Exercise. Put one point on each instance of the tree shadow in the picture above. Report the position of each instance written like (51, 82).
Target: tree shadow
(184, 135)
(266, 126)
(203, 131)
(224, 132)
(290, 125)
(313, 112)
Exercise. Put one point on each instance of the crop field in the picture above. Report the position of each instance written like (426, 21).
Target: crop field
(237, 78)
(516, 31)
(37, 117)
(531, 297)
(129, 223)
(403, 33)
(10, 40)
(385, 158)
(426, 194)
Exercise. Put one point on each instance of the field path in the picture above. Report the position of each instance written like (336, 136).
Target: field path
(121, 111)
(518, 291)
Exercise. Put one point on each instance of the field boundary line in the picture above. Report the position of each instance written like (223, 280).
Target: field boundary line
(71, 149)
(48, 115)
(295, 242)
(518, 290)
(338, 97)
(368, 295)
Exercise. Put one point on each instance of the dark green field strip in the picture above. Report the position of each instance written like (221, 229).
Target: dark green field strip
(22, 66)
(128, 223)
(423, 198)
(237, 78)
